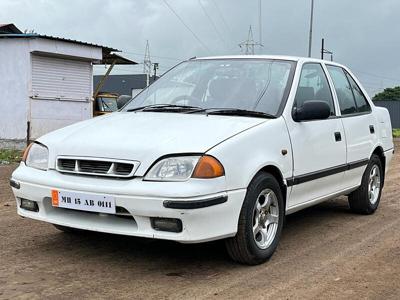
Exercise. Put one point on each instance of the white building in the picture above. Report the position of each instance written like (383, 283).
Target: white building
(45, 84)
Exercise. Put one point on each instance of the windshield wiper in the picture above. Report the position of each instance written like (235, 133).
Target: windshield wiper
(165, 107)
(197, 109)
(239, 112)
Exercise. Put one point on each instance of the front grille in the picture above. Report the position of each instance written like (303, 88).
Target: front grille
(94, 166)
(123, 169)
(97, 167)
(67, 164)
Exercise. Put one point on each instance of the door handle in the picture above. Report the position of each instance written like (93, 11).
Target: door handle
(338, 136)
(371, 129)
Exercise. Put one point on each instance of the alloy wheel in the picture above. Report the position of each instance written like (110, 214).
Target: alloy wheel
(265, 218)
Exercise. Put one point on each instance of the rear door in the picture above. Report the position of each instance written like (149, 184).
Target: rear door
(358, 122)
(319, 149)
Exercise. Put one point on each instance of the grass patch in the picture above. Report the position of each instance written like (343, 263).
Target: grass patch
(8, 156)
(396, 133)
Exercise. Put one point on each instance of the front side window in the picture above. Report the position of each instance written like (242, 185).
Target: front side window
(250, 84)
(343, 90)
(361, 101)
(313, 85)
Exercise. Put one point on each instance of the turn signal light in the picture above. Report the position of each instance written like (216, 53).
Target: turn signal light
(208, 167)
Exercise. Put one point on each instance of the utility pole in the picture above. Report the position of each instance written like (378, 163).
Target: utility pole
(248, 45)
(322, 48)
(147, 63)
(155, 68)
(311, 28)
(260, 24)
(325, 51)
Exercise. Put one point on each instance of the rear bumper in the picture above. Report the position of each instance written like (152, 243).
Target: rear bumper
(204, 218)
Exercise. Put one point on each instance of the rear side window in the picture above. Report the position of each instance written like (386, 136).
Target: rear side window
(361, 101)
(313, 85)
(343, 90)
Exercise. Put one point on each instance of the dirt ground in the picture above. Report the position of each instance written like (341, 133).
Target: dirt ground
(325, 252)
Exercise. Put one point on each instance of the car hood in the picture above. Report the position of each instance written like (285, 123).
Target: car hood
(144, 136)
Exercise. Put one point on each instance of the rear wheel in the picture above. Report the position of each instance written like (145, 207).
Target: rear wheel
(260, 222)
(366, 198)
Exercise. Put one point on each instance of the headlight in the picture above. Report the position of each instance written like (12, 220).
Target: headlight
(37, 156)
(181, 168)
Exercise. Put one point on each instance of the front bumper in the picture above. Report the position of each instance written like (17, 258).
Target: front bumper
(209, 213)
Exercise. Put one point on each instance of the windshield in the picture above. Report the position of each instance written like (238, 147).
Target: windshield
(248, 84)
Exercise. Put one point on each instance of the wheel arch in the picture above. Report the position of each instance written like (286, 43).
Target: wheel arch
(276, 172)
(380, 153)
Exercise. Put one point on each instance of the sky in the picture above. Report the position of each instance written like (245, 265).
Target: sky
(363, 34)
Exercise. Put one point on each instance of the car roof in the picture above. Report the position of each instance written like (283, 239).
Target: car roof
(275, 57)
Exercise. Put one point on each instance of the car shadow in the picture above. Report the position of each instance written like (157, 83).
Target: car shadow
(173, 258)
(334, 207)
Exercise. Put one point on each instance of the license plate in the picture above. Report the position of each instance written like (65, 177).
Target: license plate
(83, 201)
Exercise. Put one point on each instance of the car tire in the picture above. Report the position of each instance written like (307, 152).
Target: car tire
(366, 198)
(67, 229)
(260, 222)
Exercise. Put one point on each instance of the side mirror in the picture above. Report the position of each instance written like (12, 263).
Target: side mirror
(312, 110)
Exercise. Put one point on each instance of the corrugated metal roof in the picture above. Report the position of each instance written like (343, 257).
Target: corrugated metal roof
(49, 37)
(9, 28)
(111, 58)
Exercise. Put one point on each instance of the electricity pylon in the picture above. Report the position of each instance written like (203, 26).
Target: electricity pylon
(147, 63)
(248, 45)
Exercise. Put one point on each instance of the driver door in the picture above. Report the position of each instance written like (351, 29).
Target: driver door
(319, 146)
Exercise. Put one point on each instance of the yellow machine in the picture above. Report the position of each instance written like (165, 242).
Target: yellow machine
(105, 103)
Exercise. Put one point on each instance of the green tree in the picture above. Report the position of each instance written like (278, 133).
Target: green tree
(388, 94)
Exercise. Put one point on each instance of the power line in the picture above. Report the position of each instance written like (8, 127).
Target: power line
(133, 68)
(99, 67)
(123, 71)
(187, 27)
(119, 68)
(166, 67)
(180, 59)
(378, 76)
(375, 84)
(372, 90)
(372, 87)
(212, 23)
(156, 56)
(222, 17)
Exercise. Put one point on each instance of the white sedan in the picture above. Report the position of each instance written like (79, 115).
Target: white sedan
(217, 148)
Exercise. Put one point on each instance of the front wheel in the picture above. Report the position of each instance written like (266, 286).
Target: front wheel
(260, 222)
(365, 199)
